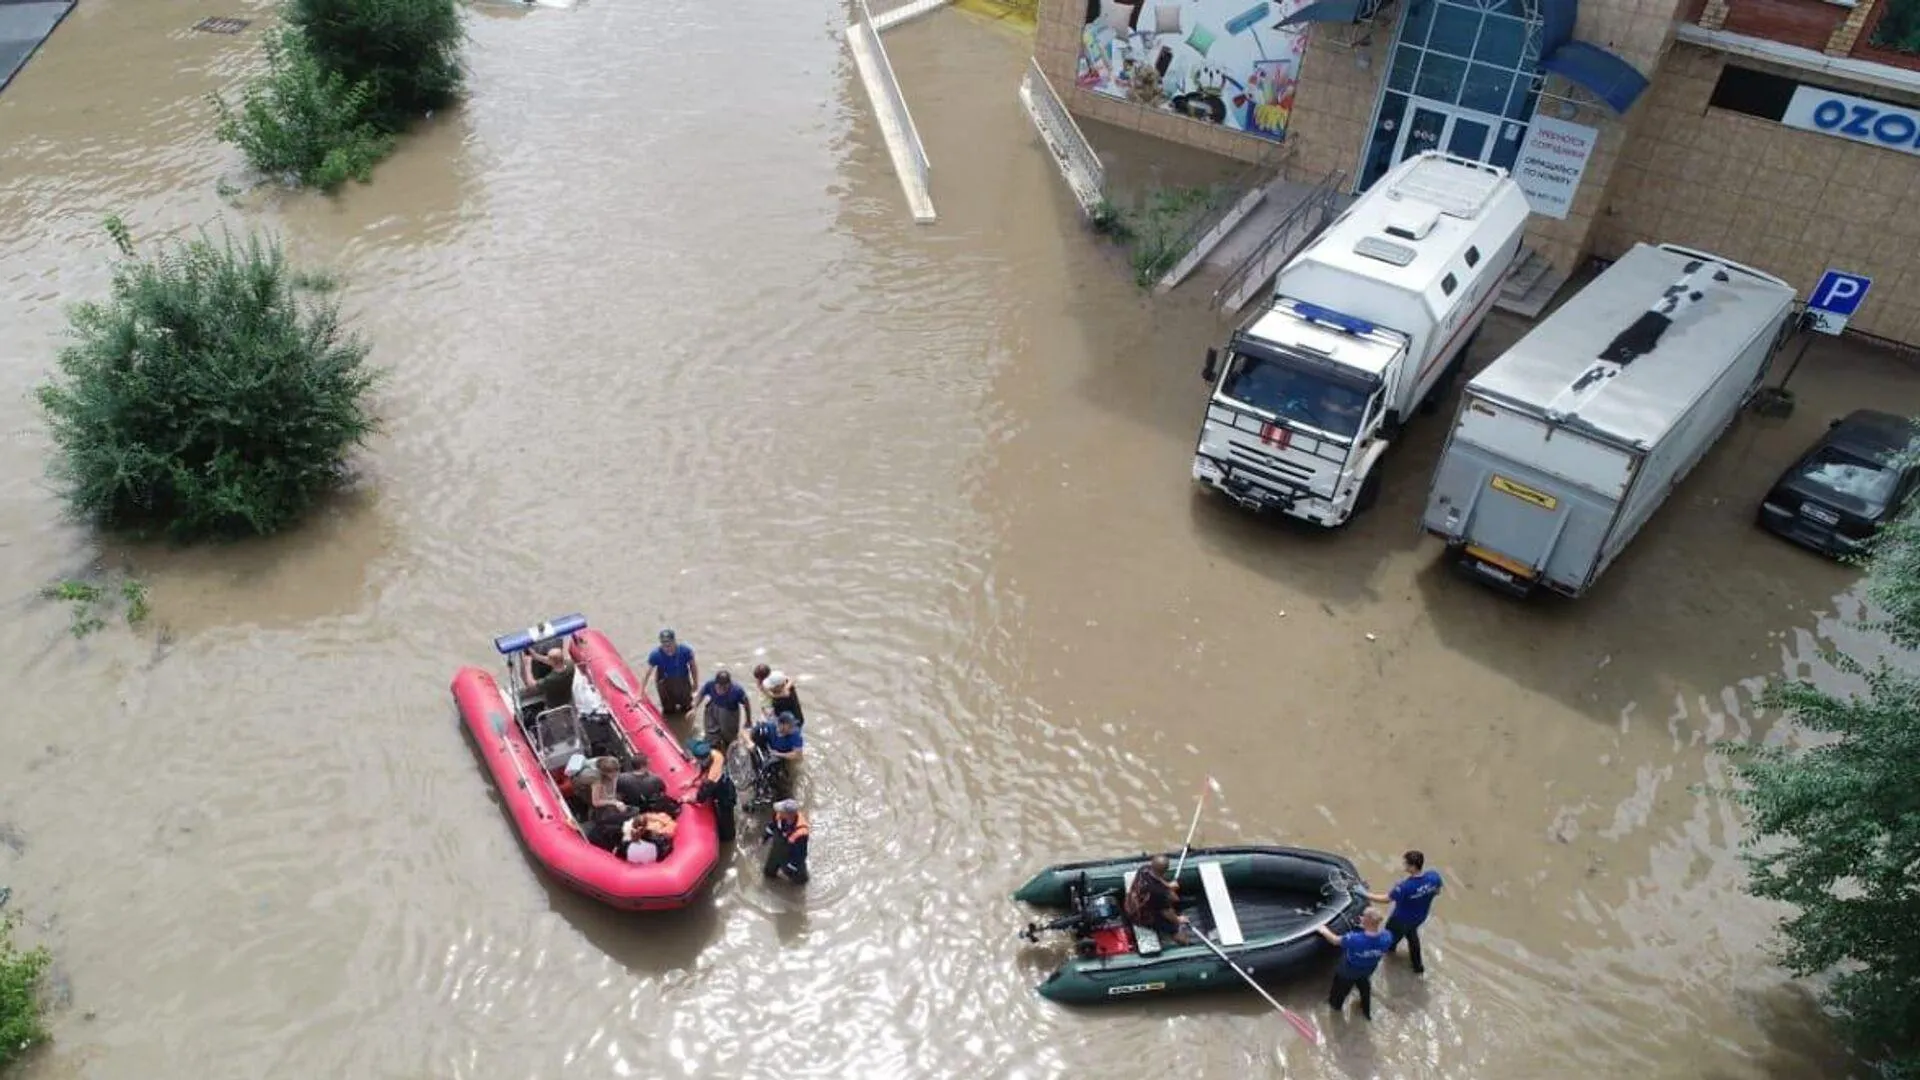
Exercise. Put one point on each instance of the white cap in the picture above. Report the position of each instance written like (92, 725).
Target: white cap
(777, 679)
(576, 764)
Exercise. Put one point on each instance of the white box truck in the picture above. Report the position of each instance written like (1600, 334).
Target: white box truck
(1369, 321)
(1565, 445)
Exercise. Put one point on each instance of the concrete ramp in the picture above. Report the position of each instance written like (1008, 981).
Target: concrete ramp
(890, 105)
(1256, 254)
(24, 24)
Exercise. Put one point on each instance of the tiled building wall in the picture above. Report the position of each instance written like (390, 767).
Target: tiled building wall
(1057, 46)
(1789, 202)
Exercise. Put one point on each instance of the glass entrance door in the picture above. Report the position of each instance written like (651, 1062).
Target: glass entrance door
(1464, 77)
(1433, 127)
(1425, 128)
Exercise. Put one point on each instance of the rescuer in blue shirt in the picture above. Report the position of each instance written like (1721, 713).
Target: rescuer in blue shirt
(1412, 902)
(673, 667)
(1360, 953)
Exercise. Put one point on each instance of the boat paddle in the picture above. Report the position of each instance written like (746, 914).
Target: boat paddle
(1300, 1023)
(1193, 825)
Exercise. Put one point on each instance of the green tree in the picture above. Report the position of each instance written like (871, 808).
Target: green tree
(1836, 825)
(407, 51)
(209, 396)
(21, 1025)
(302, 123)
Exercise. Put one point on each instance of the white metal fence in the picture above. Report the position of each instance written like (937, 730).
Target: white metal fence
(1071, 151)
(890, 106)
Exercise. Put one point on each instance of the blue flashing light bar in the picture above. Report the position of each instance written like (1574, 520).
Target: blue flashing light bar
(520, 640)
(1330, 317)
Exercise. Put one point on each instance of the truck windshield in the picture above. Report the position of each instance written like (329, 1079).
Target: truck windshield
(1292, 393)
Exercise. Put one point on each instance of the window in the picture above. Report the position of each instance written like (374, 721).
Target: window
(1899, 26)
(1473, 257)
(1448, 284)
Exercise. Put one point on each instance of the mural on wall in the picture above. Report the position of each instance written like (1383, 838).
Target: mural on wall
(1222, 61)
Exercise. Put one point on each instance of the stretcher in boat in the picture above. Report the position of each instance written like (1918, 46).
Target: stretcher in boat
(526, 751)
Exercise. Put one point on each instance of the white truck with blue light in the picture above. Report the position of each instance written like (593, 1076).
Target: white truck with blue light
(1369, 321)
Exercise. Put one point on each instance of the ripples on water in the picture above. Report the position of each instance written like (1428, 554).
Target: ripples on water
(663, 347)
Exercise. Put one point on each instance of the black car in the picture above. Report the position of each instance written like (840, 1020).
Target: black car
(1840, 492)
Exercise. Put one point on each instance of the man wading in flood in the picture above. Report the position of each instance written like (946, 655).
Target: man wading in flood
(673, 666)
(1412, 903)
(1360, 953)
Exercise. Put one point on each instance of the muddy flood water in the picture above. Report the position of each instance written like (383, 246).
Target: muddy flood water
(665, 348)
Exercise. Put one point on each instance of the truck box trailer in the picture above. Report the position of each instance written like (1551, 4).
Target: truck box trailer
(1564, 446)
(1367, 323)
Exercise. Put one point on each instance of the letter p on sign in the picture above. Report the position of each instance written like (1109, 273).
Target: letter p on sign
(1835, 299)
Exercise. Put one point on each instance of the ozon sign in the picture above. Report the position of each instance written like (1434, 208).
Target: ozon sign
(1874, 122)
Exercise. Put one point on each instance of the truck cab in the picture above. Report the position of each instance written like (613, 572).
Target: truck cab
(1298, 401)
(1368, 323)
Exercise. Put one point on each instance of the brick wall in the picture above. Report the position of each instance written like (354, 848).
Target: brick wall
(1789, 202)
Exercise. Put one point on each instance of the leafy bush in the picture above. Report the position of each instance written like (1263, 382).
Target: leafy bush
(407, 51)
(21, 1025)
(1849, 814)
(301, 122)
(204, 398)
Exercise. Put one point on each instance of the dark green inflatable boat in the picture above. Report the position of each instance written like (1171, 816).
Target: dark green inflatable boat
(1262, 906)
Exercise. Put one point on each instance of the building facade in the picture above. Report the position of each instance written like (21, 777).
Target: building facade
(1783, 134)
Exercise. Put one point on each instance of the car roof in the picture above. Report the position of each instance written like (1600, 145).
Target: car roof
(1880, 434)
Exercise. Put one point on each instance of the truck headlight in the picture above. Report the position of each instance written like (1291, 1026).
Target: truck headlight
(1205, 468)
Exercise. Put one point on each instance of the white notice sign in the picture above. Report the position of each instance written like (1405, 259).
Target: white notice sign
(1551, 161)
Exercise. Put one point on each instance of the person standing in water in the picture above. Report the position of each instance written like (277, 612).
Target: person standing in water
(1412, 901)
(723, 709)
(672, 665)
(1360, 954)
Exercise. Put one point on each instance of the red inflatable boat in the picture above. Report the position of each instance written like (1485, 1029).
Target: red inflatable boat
(527, 752)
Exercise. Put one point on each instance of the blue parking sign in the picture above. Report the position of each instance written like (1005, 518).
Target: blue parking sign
(1835, 299)
(1839, 292)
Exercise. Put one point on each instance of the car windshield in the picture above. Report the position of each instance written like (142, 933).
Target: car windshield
(1294, 393)
(1852, 476)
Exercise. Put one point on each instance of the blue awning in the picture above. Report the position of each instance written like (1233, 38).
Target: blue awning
(1329, 11)
(1598, 71)
(1556, 23)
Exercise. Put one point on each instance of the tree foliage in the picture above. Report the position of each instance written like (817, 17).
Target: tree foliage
(208, 396)
(407, 51)
(342, 78)
(302, 123)
(1837, 826)
(21, 1023)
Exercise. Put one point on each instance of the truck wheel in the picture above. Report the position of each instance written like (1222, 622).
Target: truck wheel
(1369, 494)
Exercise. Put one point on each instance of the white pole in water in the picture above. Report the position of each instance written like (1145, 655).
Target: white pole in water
(1193, 825)
(1300, 1024)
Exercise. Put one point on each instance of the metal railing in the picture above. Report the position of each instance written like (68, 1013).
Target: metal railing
(1295, 229)
(1081, 167)
(896, 122)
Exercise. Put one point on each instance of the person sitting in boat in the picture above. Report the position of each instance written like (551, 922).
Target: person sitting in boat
(606, 827)
(716, 788)
(647, 838)
(778, 746)
(551, 689)
(640, 789)
(787, 852)
(574, 778)
(723, 708)
(673, 667)
(1153, 902)
(782, 694)
(603, 785)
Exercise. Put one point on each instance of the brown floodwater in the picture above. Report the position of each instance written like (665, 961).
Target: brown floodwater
(664, 347)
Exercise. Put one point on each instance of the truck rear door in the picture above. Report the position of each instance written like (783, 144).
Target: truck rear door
(1516, 498)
